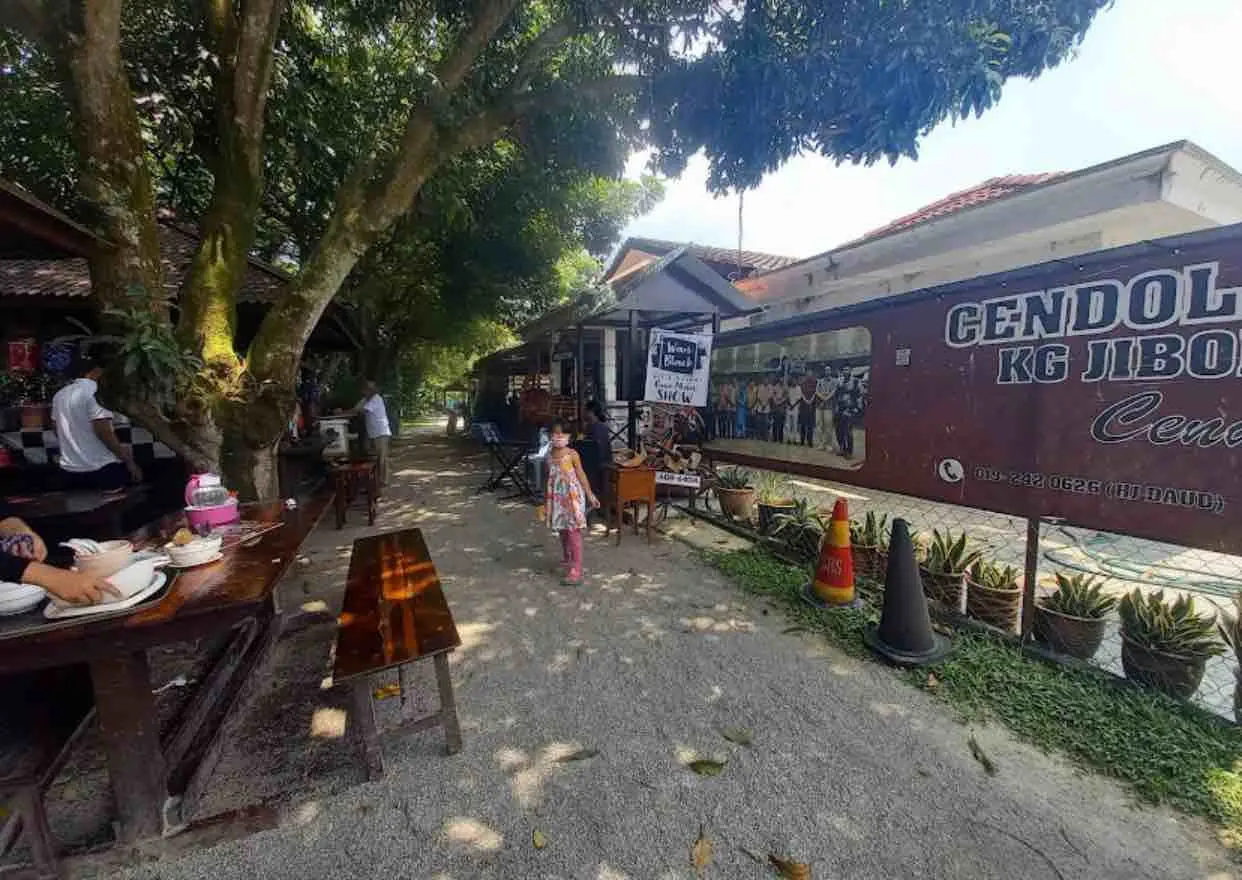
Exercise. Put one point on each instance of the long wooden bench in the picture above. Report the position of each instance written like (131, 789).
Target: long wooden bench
(394, 614)
(42, 716)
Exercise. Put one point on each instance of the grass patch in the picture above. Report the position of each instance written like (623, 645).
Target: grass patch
(1168, 752)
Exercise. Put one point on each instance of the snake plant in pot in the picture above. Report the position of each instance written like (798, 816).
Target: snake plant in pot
(1072, 619)
(772, 498)
(869, 539)
(735, 489)
(800, 531)
(1166, 645)
(993, 595)
(1231, 632)
(944, 570)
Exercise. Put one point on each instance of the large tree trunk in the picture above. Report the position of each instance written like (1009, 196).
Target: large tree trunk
(85, 39)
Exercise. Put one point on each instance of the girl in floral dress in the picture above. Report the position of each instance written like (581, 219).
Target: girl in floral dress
(565, 501)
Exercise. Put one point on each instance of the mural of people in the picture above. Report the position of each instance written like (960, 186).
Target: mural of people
(801, 399)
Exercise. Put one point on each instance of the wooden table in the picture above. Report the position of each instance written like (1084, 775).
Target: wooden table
(631, 485)
(54, 515)
(156, 780)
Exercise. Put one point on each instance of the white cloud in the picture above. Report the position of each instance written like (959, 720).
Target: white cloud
(1149, 72)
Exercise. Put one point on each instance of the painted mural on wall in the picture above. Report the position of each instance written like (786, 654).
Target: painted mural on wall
(799, 399)
(1106, 391)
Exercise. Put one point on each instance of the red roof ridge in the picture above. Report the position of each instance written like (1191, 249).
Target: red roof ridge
(989, 190)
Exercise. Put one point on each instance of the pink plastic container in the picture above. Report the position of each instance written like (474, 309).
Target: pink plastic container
(210, 517)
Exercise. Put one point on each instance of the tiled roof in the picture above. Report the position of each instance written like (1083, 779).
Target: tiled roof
(71, 277)
(990, 190)
(753, 260)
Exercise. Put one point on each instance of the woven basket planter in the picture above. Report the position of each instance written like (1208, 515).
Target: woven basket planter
(1078, 637)
(1178, 677)
(870, 561)
(998, 608)
(946, 589)
(736, 503)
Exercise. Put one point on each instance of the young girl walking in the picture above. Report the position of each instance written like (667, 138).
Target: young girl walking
(565, 500)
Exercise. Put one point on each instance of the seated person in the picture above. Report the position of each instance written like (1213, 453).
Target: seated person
(22, 555)
(90, 454)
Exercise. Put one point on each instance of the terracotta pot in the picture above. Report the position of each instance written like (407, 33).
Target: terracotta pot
(1076, 636)
(1178, 677)
(946, 589)
(995, 607)
(736, 503)
(768, 513)
(35, 416)
(870, 561)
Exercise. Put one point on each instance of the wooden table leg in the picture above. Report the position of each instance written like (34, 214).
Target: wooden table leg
(131, 740)
(342, 499)
(651, 509)
(362, 724)
(448, 705)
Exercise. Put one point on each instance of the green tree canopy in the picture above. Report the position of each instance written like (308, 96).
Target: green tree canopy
(308, 129)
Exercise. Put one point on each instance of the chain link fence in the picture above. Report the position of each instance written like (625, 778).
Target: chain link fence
(1124, 562)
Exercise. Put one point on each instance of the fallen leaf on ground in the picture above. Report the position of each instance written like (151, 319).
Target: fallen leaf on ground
(538, 839)
(701, 852)
(387, 691)
(790, 630)
(722, 540)
(790, 869)
(707, 767)
(932, 681)
(981, 756)
(580, 755)
(740, 735)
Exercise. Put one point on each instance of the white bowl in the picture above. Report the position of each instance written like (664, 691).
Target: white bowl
(113, 556)
(136, 576)
(196, 552)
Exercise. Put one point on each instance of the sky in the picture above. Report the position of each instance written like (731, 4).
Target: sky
(1148, 72)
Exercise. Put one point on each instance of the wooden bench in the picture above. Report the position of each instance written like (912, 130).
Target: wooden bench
(43, 716)
(349, 479)
(394, 614)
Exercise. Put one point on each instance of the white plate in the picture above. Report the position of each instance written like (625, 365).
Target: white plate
(216, 558)
(11, 607)
(13, 592)
(56, 611)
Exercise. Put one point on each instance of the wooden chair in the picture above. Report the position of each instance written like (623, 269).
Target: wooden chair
(394, 614)
(44, 715)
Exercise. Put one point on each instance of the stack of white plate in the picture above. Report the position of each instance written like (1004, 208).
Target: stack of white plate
(19, 598)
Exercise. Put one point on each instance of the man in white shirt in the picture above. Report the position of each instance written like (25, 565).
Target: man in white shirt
(379, 434)
(90, 454)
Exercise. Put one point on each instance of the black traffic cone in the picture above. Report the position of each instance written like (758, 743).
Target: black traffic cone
(905, 635)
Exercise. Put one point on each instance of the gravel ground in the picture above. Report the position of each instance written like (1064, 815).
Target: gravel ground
(849, 770)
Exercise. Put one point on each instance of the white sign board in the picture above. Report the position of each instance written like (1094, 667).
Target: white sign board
(677, 368)
(668, 478)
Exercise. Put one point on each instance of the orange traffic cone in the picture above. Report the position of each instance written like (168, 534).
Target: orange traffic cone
(834, 576)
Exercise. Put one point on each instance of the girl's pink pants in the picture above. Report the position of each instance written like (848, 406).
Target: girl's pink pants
(571, 551)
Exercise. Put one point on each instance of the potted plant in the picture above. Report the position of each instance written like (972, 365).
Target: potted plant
(1166, 645)
(869, 539)
(1072, 619)
(800, 530)
(944, 569)
(1231, 632)
(35, 409)
(992, 594)
(772, 497)
(736, 493)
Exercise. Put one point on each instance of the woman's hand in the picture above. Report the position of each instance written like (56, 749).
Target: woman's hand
(592, 500)
(74, 587)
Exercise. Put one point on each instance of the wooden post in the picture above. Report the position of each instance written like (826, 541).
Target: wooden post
(631, 375)
(580, 374)
(1031, 574)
